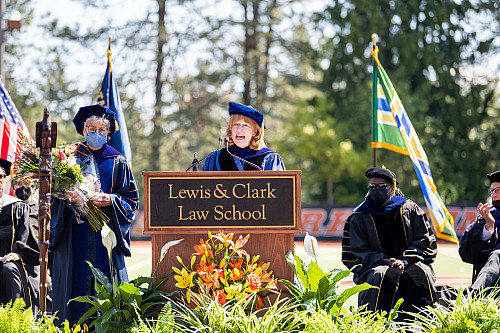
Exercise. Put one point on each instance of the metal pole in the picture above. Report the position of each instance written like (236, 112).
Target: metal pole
(2, 40)
(374, 103)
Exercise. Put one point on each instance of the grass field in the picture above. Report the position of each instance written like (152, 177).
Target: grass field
(449, 268)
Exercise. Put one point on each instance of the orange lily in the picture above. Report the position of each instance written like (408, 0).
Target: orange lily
(202, 249)
(236, 262)
(219, 296)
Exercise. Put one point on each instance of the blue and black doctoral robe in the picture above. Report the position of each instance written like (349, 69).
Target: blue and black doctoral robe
(399, 230)
(266, 159)
(73, 240)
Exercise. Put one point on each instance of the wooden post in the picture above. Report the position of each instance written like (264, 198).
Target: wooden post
(46, 136)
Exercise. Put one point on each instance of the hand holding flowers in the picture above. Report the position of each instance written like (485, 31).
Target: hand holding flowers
(68, 181)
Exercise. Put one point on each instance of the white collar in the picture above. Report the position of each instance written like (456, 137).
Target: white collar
(7, 199)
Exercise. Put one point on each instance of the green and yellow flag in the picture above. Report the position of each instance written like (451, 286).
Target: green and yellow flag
(393, 130)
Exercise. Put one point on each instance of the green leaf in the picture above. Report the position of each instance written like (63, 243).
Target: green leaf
(314, 274)
(106, 316)
(104, 305)
(86, 299)
(128, 290)
(103, 279)
(339, 274)
(139, 281)
(335, 306)
(101, 327)
(87, 314)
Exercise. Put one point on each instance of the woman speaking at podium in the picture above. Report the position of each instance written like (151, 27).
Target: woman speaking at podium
(245, 149)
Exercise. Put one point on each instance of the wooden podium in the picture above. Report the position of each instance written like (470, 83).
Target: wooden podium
(186, 205)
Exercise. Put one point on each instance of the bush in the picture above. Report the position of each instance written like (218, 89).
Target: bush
(354, 321)
(210, 316)
(16, 318)
(479, 313)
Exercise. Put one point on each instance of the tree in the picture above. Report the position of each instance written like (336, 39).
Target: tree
(424, 48)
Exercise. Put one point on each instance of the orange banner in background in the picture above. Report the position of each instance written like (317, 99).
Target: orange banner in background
(329, 222)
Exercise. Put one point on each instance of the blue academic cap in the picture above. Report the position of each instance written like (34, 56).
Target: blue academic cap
(247, 111)
(98, 110)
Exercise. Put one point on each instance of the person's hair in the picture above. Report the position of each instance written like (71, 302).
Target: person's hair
(103, 121)
(257, 141)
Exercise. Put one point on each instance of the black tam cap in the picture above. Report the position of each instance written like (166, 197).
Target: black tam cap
(494, 177)
(382, 172)
(5, 165)
(94, 110)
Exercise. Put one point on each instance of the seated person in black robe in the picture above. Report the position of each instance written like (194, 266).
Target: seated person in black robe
(389, 243)
(19, 253)
(245, 134)
(480, 244)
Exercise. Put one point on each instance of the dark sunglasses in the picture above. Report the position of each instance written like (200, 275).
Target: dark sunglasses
(378, 186)
(3, 176)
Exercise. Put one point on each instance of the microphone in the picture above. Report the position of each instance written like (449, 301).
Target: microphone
(226, 140)
(196, 162)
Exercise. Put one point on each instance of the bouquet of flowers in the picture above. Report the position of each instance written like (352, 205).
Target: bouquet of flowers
(68, 181)
(224, 271)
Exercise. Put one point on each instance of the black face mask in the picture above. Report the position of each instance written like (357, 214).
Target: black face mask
(23, 193)
(496, 204)
(379, 196)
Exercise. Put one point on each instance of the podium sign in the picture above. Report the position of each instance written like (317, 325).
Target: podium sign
(199, 201)
(186, 205)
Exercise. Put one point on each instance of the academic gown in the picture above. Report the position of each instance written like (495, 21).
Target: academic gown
(265, 158)
(483, 254)
(19, 278)
(399, 230)
(74, 242)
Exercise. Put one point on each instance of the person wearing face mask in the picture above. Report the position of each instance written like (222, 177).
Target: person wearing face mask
(389, 244)
(480, 244)
(23, 191)
(246, 140)
(71, 238)
(19, 251)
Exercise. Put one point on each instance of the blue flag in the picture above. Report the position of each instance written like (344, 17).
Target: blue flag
(110, 98)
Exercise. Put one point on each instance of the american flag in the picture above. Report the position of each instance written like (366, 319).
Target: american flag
(11, 125)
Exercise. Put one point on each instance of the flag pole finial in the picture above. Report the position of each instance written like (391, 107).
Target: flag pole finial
(374, 41)
(109, 52)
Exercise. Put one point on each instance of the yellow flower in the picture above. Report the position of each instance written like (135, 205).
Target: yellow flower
(185, 280)
(234, 291)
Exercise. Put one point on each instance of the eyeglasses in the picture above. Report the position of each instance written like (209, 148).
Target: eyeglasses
(3, 176)
(495, 190)
(378, 186)
(93, 129)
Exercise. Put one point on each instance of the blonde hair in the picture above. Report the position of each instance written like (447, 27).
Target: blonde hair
(257, 141)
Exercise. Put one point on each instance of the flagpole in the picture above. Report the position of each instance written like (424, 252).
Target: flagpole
(374, 102)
